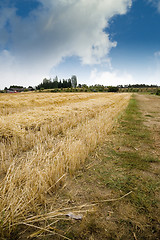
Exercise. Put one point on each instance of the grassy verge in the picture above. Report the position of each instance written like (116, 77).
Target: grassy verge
(122, 164)
(132, 156)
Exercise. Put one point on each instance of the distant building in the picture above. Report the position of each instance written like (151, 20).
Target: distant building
(16, 90)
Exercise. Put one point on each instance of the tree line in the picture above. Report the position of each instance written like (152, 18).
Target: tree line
(55, 83)
(137, 86)
(70, 85)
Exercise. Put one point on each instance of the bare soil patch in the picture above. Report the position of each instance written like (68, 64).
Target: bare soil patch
(150, 108)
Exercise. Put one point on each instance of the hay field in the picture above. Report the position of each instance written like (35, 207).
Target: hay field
(44, 136)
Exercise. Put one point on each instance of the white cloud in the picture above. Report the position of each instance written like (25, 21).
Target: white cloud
(110, 78)
(155, 3)
(56, 29)
(12, 72)
(157, 54)
(154, 76)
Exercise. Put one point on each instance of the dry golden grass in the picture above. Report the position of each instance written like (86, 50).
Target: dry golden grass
(44, 136)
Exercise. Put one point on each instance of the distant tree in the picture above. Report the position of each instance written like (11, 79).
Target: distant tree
(5, 89)
(59, 84)
(26, 90)
(158, 92)
(15, 86)
(31, 88)
(55, 83)
(84, 86)
(47, 83)
(56, 79)
(113, 89)
(69, 83)
(74, 81)
(65, 83)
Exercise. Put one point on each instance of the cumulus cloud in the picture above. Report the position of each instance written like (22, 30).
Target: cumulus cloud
(110, 78)
(32, 45)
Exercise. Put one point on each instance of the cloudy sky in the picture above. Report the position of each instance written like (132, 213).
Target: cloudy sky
(107, 42)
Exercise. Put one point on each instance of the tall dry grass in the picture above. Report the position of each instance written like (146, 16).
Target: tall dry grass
(43, 137)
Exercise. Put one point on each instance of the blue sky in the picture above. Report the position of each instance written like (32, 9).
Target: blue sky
(107, 42)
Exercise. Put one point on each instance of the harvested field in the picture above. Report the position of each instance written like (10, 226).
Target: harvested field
(120, 180)
(44, 137)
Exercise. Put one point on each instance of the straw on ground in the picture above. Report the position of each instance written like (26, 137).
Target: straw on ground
(43, 137)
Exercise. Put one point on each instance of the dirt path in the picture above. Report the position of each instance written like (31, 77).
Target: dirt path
(150, 107)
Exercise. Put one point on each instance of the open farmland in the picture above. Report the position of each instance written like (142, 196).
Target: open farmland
(43, 138)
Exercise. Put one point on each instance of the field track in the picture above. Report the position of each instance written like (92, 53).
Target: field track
(44, 136)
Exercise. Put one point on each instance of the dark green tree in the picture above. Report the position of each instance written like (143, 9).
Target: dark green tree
(113, 89)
